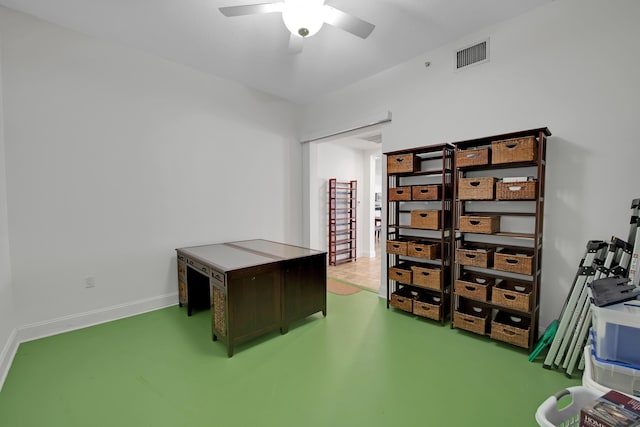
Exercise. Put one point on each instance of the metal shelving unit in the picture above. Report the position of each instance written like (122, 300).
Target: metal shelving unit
(499, 297)
(419, 230)
(343, 203)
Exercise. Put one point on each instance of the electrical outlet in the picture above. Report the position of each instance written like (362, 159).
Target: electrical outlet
(90, 282)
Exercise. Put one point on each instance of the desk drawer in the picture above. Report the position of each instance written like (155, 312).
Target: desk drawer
(219, 280)
(201, 268)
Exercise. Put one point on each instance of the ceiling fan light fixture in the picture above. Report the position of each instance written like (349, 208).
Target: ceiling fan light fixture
(303, 18)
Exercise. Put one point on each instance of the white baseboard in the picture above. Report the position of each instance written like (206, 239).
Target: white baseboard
(77, 321)
(7, 355)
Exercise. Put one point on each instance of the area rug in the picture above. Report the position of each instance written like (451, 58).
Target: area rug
(340, 288)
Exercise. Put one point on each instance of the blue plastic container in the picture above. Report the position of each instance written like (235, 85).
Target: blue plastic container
(617, 332)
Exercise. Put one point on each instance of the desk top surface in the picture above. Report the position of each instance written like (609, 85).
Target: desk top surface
(248, 253)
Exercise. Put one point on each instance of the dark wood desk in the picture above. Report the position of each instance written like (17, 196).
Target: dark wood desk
(253, 287)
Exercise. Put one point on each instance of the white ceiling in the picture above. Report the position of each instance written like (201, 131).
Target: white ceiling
(253, 50)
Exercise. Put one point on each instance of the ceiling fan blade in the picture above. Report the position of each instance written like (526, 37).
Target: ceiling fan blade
(295, 44)
(251, 9)
(350, 23)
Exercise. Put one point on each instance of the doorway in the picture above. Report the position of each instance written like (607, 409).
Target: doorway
(355, 156)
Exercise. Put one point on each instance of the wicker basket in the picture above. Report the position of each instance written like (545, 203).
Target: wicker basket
(427, 277)
(526, 190)
(428, 220)
(401, 273)
(399, 193)
(512, 329)
(520, 261)
(473, 157)
(512, 294)
(182, 291)
(423, 250)
(426, 192)
(428, 306)
(402, 163)
(514, 150)
(474, 286)
(403, 299)
(475, 257)
(479, 224)
(476, 188)
(472, 317)
(218, 318)
(398, 247)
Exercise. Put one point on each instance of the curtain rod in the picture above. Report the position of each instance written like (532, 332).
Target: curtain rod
(342, 132)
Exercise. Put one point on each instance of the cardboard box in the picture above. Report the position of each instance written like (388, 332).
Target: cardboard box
(614, 409)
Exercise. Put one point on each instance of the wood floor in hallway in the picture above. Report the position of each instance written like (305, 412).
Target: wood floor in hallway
(364, 271)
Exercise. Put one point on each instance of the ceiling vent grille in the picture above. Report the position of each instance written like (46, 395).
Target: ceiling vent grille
(476, 54)
(376, 138)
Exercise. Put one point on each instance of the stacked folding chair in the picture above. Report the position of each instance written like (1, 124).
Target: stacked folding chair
(608, 270)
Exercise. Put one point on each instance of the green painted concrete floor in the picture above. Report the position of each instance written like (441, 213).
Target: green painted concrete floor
(362, 365)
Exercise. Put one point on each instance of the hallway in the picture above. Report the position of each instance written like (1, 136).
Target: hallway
(364, 271)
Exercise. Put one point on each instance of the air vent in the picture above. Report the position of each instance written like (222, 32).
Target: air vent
(376, 138)
(476, 54)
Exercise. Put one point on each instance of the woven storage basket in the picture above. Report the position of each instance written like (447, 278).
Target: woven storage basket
(479, 224)
(218, 318)
(512, 329)
(471, 317)
(402, 163)
(399, 193)
(474, 286)
(520, 261)
(475, 257)
(476, 188)
(427, 277)
(403, 299)
(526, 190)
(398, 247)
(423, 250)
(182, 291)
(401, 273)
(473, 157)
(514, 150)
(426, 192)
(513, 294)
(428, 306)
(428, 220)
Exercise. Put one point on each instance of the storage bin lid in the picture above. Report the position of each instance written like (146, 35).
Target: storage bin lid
(624, 313)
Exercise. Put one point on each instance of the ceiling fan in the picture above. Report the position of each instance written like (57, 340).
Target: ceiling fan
(304, 18)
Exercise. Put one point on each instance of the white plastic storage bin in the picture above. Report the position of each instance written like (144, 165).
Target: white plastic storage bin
(554, 411)
(602, 376)
(617, 332)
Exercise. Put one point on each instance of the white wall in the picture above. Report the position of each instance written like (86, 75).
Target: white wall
(571, 66)
(115, 158)
(7, 316)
